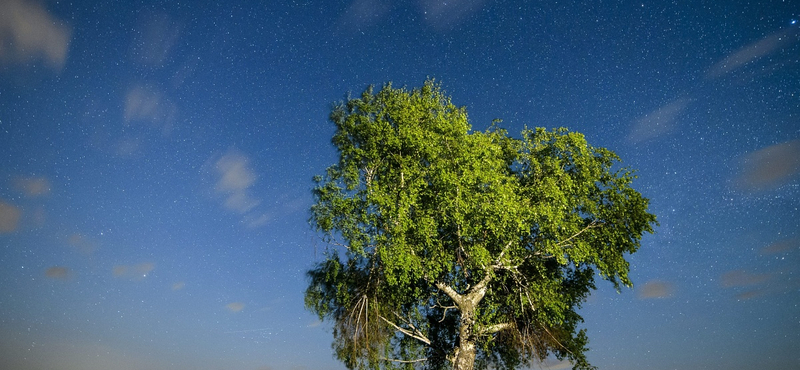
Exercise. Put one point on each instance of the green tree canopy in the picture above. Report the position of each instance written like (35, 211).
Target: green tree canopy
(451, 248)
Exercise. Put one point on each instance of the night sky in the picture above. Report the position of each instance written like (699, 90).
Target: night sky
(156, 160)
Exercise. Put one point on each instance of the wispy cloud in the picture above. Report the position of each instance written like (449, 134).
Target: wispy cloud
(656, 289)
(32, 186)
(146, 103)
(133, 272)
(445, 15)
(235, 306)
(157, 35)
(178, 285)
(29, 32)
(58, 273)
(741, 278)
(658, 122)
(770, 167)
(754, 51)
(9, 217)
(363, 13)
(232, 181)
(235, 177)
(82, 243)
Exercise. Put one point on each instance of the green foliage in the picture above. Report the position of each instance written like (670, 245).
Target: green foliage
(443, 228)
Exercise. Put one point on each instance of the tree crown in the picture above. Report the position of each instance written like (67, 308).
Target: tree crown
(443, 229)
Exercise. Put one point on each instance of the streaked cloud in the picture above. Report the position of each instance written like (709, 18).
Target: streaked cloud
(781, 246)
(58, 272)
(741, 278)
(9, 217)
(32, 186)
(770, 167)
(29, 32)
(658, 122)
(257, 220)
(445, 15)
(750, 294)
(178, 285)
(235, 306)
(753, 51)
(655, 289)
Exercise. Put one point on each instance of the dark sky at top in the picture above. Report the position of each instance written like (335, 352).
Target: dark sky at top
(156, 161)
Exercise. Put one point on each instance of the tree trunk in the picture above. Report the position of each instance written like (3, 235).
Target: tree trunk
(465, 359)
(465, 353)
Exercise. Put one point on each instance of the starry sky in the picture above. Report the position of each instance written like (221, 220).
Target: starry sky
(156, 160)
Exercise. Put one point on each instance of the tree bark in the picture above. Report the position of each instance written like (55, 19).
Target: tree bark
(465, 353)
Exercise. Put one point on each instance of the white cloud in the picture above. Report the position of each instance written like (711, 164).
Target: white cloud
(235, 177)
(235, 173)
(29, 32)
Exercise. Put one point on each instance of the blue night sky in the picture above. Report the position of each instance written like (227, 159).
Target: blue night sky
(156, 160)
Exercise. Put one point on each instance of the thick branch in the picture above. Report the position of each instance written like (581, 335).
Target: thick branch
(479, 290)
(491, 329)
(457, 298)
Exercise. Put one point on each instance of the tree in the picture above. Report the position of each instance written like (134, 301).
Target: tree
(450, 248)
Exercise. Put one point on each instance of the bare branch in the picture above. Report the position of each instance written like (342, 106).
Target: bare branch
(416, 334)
(500, 257)
(444, 314)
(404, 361)
(591, 225)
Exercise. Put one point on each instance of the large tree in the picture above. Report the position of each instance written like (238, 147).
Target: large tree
(451, 248)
